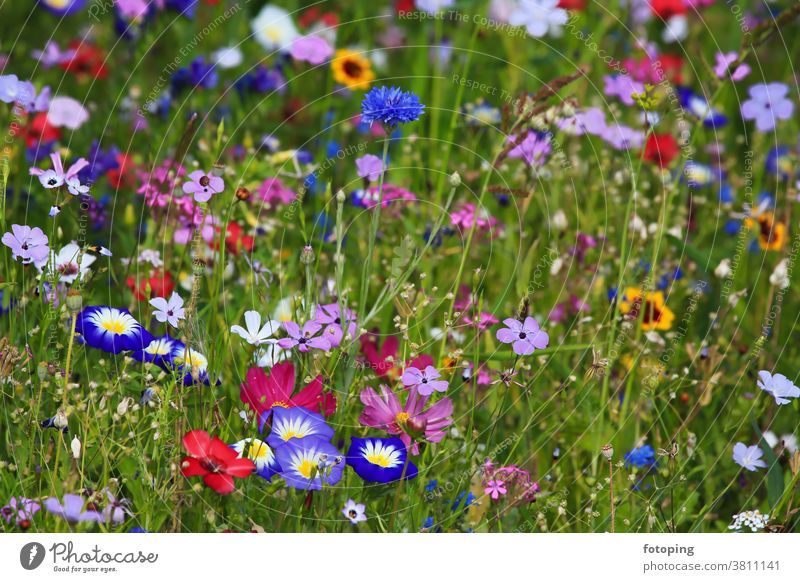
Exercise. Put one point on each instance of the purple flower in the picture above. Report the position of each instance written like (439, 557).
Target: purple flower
(369, 167)
(329, 316)
(524, 337)
(748, 457)
(622, 86)
(778, 386)
(117, 509)
(425, 381)
(58, 177)
(21, 510)
(311, 49)
(304, 338)
(767, 104)
(11, 89)
(72, 509)
(724, 62)
(26, 243)
(622, 137)
(203, 185)
(533, 148)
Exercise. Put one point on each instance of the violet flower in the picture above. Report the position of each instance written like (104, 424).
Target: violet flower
(748, 457)
(26, 243)
(203, 186)
(724, 62)
(21, 510)
(304, 338)
(425, 381)
(72, 509)
(767, 104)
(524, 337)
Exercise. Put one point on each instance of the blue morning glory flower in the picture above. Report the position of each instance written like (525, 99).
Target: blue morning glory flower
(261, 454)
(380, 460)
(111, 329)
(309, 463)
(296, 423)
(158, 352)
(186, 360)
(62, 7)
(779, 162)
(391, 106)
(698, 106)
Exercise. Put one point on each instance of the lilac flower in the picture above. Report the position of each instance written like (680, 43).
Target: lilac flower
(724, 62)
(26, 243)
(170, 311)
(311, 49)
(533, 148)
(21, 510)
(203, 185)
(304, 338)
(539, 17)
(425, 381)
(58, 177)
(67, 112)
(116, 511)
(11, 89)
(354, 511)
(767, 104)
(369, 167)
(330, 317)
(622, 87)
(524, 337)
(748, 457)
(52, 55)
(778, 386)
(72, 509)
(591, 120)
(622, 137)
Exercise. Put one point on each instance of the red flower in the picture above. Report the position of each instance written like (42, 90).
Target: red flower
(39, 131)
(262, 392)
(572, 4)
(672, 66)
(88, 60)
(235, 240)
(378, 357)
(122, 175)
(666, 9)
(404, 7)
(214, 460)
(160, 284)
(661, 149)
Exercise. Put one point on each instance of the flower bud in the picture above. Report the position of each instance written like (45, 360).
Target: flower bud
(60, 420)
(307, 255)
(608, 452)
(340, 197)
(455, 179)
(43, 371)
(74, 300)
(243, 194)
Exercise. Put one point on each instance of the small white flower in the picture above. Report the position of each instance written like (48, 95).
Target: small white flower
(69, 264)
(780, 276)
(256, 334)
(76, 448)
(228, 57)
(677, 28)
(539, 17)
(168, 311)
(274, 29)
(723, 269)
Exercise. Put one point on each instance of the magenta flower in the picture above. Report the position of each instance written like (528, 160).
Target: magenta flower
(311, 49)
(425, 381)
(58, 177)
(369, 167)
(304, 339)
(272, 190)
(524, 337)
(26, 243)
(767, 104)
(203, 186)
(410, 421)
(724, 62)
(495, 488)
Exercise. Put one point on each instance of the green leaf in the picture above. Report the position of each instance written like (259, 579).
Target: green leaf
(774, 471)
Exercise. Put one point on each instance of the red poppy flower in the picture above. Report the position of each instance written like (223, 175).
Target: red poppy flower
(672, 67)
(404, 6)
(215, 461)
(235, 240)
(88, 60)
(572, 4)
(378, 356)
(262, 392)
(123, 174)
(161, 285)
(666, 9)
(39, 131)
(314, 15)
(661, 149)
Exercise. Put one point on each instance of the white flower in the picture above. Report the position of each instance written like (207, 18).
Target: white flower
(273, 28)
(271, 354)
(67, 112)
(755, 520)
(168, 311)
(723, 269)
(354, 511)
(76, 448)
(539, 17)
(68, 264)
(228, 57)
(677, 28)
(433, 6)
(780, 276)
(255, 334)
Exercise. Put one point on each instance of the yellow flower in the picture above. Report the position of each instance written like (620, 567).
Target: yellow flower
(656, 314)
(771, 233)
(352, 70)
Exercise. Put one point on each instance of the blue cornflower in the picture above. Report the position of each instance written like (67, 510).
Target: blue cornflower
(390, 106)
(643, 456)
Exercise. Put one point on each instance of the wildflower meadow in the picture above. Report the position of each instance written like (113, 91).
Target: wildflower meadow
(432, 266)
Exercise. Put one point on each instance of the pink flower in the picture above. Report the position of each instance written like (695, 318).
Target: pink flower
(311, 49)
(425, 381)
(495, 488)
(411, 421)
(724, 62)
(67, 112)
(272, 190)
(203, 185)
(58, 177)
(26, 243)
(369, 167)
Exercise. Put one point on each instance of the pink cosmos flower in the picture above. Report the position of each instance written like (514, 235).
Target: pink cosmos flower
(203, 186)
(311, 49)
(411, 421)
